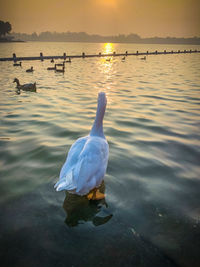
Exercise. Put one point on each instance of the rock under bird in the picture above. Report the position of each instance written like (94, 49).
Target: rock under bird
(87, 159)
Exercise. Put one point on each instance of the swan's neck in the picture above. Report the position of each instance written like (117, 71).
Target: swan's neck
(97, 128)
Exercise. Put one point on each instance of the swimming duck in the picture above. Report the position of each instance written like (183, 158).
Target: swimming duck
(52, 68)
(25, 87)
(68, 61)
(17, 64)
(52, 60)
(124, 58)
(108, 59)
(30, 70)
(143, 58)
(60, 70)
(87, 159)
(61, 64)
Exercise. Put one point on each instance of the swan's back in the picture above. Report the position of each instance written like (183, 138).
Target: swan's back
(73, 155)
(85, 166)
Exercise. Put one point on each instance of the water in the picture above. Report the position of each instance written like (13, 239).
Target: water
(151, 213)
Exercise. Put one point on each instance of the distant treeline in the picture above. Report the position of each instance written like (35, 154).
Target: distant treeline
(84, 37)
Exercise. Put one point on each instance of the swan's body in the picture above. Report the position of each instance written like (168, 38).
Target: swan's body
(87, 159)
(25, 87)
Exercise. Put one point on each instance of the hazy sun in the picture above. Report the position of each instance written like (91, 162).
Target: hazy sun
(108, 3)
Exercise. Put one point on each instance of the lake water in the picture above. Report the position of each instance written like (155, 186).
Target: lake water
(151, 213)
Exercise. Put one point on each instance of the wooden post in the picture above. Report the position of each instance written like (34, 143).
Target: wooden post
(178, 51)
(83, 55)
(41, 56)
(99, 53)
(156, 52)
(126, 53)
(147, 52)
(14, 57)
(137, 52)
(172, 51)
(164, 51)
(64, 56)
(114, 53)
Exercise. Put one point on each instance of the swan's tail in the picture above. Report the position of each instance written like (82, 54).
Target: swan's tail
(66, 183)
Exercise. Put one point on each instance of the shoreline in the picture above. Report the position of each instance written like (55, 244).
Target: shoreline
(11, 41)
(117, 42)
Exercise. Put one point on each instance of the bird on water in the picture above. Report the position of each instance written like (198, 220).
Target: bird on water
(25, 87)
(60, 70)
(87, 159)
(17, 64)
(30, 70)
(52, 68)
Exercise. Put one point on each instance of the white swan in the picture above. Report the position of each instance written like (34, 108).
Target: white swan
(87, 159)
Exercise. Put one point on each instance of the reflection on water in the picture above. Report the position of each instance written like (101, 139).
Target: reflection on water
(152, 181)
(108, 48)
(79, 209)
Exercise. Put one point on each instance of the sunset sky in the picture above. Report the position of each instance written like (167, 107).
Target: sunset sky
(148, 18)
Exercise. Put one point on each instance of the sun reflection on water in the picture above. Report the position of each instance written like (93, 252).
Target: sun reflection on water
(107, 69)
(108, 48)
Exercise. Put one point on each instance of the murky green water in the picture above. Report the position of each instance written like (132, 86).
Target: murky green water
(151, 213)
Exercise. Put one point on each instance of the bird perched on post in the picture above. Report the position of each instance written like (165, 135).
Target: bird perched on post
(87, 159)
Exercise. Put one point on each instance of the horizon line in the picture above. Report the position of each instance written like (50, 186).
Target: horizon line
(105, 36)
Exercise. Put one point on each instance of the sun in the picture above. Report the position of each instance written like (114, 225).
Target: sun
(108, 3)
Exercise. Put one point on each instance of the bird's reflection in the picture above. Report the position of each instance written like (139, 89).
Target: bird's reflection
(80, 209)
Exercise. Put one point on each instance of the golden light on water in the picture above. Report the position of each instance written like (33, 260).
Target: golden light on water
(106, 68)
(108, 48)
(106, 62)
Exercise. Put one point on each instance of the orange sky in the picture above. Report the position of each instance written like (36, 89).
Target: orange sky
(147, 18)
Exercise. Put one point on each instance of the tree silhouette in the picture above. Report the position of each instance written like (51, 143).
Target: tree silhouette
(5, 27)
